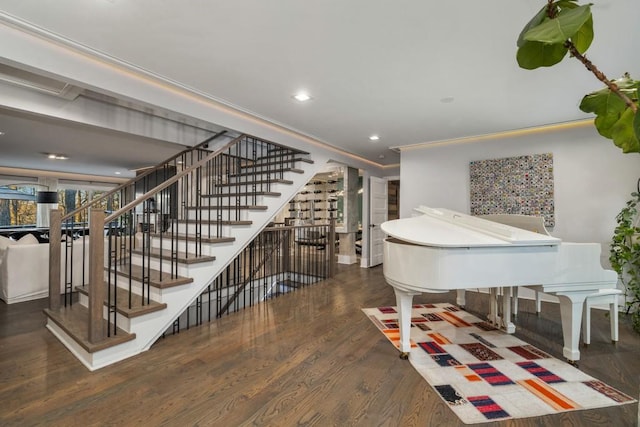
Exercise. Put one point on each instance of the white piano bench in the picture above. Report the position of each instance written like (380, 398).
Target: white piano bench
(604, 296)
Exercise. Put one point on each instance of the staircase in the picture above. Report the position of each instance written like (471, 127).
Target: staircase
(180, 224)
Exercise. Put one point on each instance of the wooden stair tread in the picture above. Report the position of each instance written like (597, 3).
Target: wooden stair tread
(73, 320)
(247, 207)
(137, 308)
(183, 258)
(275, 160)
(279, 170)
(212, 222)
(251, 193)
(192, 238)
(287, 149)
(157, 280)
(262, 181)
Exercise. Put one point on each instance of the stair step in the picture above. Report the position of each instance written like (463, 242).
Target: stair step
(287, 149)
(247, 194)
(183, 258)
(269, 162)
(212, 222)
(156, 279)
(246, 207)
(192, 238)
(137, 308)
(73, 321)
(262, 181)
(280, 170)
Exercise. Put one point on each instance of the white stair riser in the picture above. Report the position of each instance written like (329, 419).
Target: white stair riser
(212, 214)
(182, 246)
(191, 227)
(249, 187)
(183, 269)
(226, 200)
(122, 322)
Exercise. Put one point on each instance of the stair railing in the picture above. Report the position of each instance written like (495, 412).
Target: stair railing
(74, 224)
(280, 259)
(165, 225)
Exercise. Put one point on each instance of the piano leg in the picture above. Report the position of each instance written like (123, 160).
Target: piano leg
(404, 301)
(507, 324)
(494, 315)
(571, 315)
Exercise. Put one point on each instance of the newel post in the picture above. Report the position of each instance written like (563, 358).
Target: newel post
(55, 232)
(96, 275)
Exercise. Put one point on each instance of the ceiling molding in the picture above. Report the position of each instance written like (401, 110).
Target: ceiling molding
(499, 135)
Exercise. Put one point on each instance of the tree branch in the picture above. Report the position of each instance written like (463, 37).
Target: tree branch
(600, 75)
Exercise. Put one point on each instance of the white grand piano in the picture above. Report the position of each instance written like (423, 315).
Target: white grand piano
(441, 250)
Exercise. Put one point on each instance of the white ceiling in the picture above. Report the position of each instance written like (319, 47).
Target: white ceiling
(411, 71)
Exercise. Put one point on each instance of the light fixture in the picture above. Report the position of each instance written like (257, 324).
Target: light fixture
(302, 96)
(118, 173)
(374, 138)
(1, 133)
(54, 156)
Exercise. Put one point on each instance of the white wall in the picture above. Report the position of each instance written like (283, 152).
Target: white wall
(592, 178)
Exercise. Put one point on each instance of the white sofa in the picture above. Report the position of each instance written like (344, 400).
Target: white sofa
(24, 268)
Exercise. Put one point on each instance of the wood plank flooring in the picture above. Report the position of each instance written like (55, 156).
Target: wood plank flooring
(309, 358)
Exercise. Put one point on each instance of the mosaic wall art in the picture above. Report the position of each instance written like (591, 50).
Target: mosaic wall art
(514, 185)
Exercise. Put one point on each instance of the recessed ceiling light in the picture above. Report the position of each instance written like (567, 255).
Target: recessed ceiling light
(381, 156)
(55, 156)
(1, 133)
(374, 138)
(118, 173)
(302, 96)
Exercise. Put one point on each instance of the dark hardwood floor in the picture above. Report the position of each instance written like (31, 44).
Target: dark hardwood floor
(306, 358)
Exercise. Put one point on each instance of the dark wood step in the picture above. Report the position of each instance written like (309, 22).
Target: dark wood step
(156, 278)
(288, 150)
(280, 170)
(192, 238)
(182, 257)
(262, 181)
(247, 194)
(225, 207)
(122, 297)
(73, 320)
(269, 160)
(213, 222)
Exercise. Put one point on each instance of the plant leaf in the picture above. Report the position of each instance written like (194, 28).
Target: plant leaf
(563, 27)
(623, 134)
(583, 38)
(535, 21)
(532, 55)
(566, 4)
(636, 124)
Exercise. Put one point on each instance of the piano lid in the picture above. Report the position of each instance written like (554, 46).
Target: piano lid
(446, 228)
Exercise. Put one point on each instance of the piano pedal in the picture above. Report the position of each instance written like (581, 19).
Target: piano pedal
(404, 355)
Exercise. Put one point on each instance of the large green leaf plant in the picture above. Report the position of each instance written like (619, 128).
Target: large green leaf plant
(564, 27)
(625, 254)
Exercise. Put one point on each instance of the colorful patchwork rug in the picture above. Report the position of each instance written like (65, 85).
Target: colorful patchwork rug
(485, 374)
